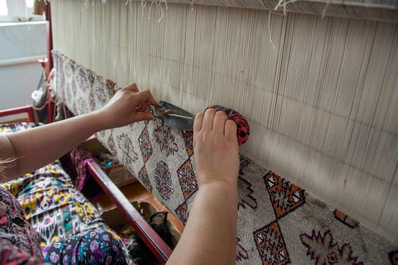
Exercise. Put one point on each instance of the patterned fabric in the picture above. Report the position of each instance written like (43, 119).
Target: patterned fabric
(91, 247)
(56, 217)
(53, 206)
(18, 241)
(19, 244)
(278, 222)
(16, 127)
(74, 164)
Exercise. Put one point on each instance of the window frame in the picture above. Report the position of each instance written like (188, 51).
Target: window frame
(18, 12)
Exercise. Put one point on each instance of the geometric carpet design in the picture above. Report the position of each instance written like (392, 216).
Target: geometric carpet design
(278, 222)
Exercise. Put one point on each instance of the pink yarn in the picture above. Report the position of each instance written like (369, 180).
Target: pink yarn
(243, 126)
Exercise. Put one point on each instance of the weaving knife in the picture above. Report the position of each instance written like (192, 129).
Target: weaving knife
(173, 116)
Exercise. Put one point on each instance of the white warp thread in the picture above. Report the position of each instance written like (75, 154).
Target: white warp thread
(320, 94)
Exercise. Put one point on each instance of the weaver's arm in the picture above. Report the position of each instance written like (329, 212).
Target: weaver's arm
(37, 147)
(210, 234)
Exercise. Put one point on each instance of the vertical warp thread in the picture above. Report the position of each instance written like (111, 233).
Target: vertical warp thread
(322, 123)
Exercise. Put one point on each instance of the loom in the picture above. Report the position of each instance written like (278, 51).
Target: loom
(317, 81)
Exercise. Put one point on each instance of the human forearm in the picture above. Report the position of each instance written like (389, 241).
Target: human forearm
(210, 234)
(31, 149)
(211, 227)
(39, 146)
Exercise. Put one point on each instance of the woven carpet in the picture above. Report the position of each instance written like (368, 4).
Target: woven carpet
(278, 222)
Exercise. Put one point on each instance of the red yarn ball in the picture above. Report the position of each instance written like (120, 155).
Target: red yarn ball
(241, 122)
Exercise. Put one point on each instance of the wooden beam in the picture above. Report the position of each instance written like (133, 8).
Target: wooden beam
(158, 247)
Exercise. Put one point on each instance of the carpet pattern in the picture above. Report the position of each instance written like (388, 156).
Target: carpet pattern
(278, 222)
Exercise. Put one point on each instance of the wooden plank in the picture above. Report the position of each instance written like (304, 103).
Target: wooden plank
(158, 247)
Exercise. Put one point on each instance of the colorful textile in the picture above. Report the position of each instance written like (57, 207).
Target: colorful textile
(74, 163)
(53, 215)
(19, 244)
(16, 127)
(53, 206)
(90, 247)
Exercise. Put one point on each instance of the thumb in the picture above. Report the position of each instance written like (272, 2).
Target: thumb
(143, 116)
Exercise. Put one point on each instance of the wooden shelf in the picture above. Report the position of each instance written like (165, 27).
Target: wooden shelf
(135, 192)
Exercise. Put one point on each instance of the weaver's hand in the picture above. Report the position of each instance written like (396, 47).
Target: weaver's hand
(216, 148)
(128, 105)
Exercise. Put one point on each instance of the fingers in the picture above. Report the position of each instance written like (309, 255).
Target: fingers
(143, 116)
(197, 125)
(208, 120)
(219, 122)
(146, 96)
(132, 87)
(142, 107)
(211, 120)
(231, 130)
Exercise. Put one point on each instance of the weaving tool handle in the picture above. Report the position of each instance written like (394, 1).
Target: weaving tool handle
(180, 119)
(173, 116)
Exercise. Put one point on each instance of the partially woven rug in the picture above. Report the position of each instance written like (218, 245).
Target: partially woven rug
(278, 222)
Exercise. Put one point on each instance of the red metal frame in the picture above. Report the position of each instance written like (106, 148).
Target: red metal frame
(49, 63)
(27, 109)
(158, 247)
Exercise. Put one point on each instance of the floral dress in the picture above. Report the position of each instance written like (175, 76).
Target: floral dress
(45, 219)
(51, 215)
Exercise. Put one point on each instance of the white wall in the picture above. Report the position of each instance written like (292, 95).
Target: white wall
(20, 46)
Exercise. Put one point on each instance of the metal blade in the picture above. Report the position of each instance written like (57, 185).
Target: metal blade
(178, 122)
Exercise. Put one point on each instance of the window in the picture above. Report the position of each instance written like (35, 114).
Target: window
(17, 11)
(3, 8)
(29, 3)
